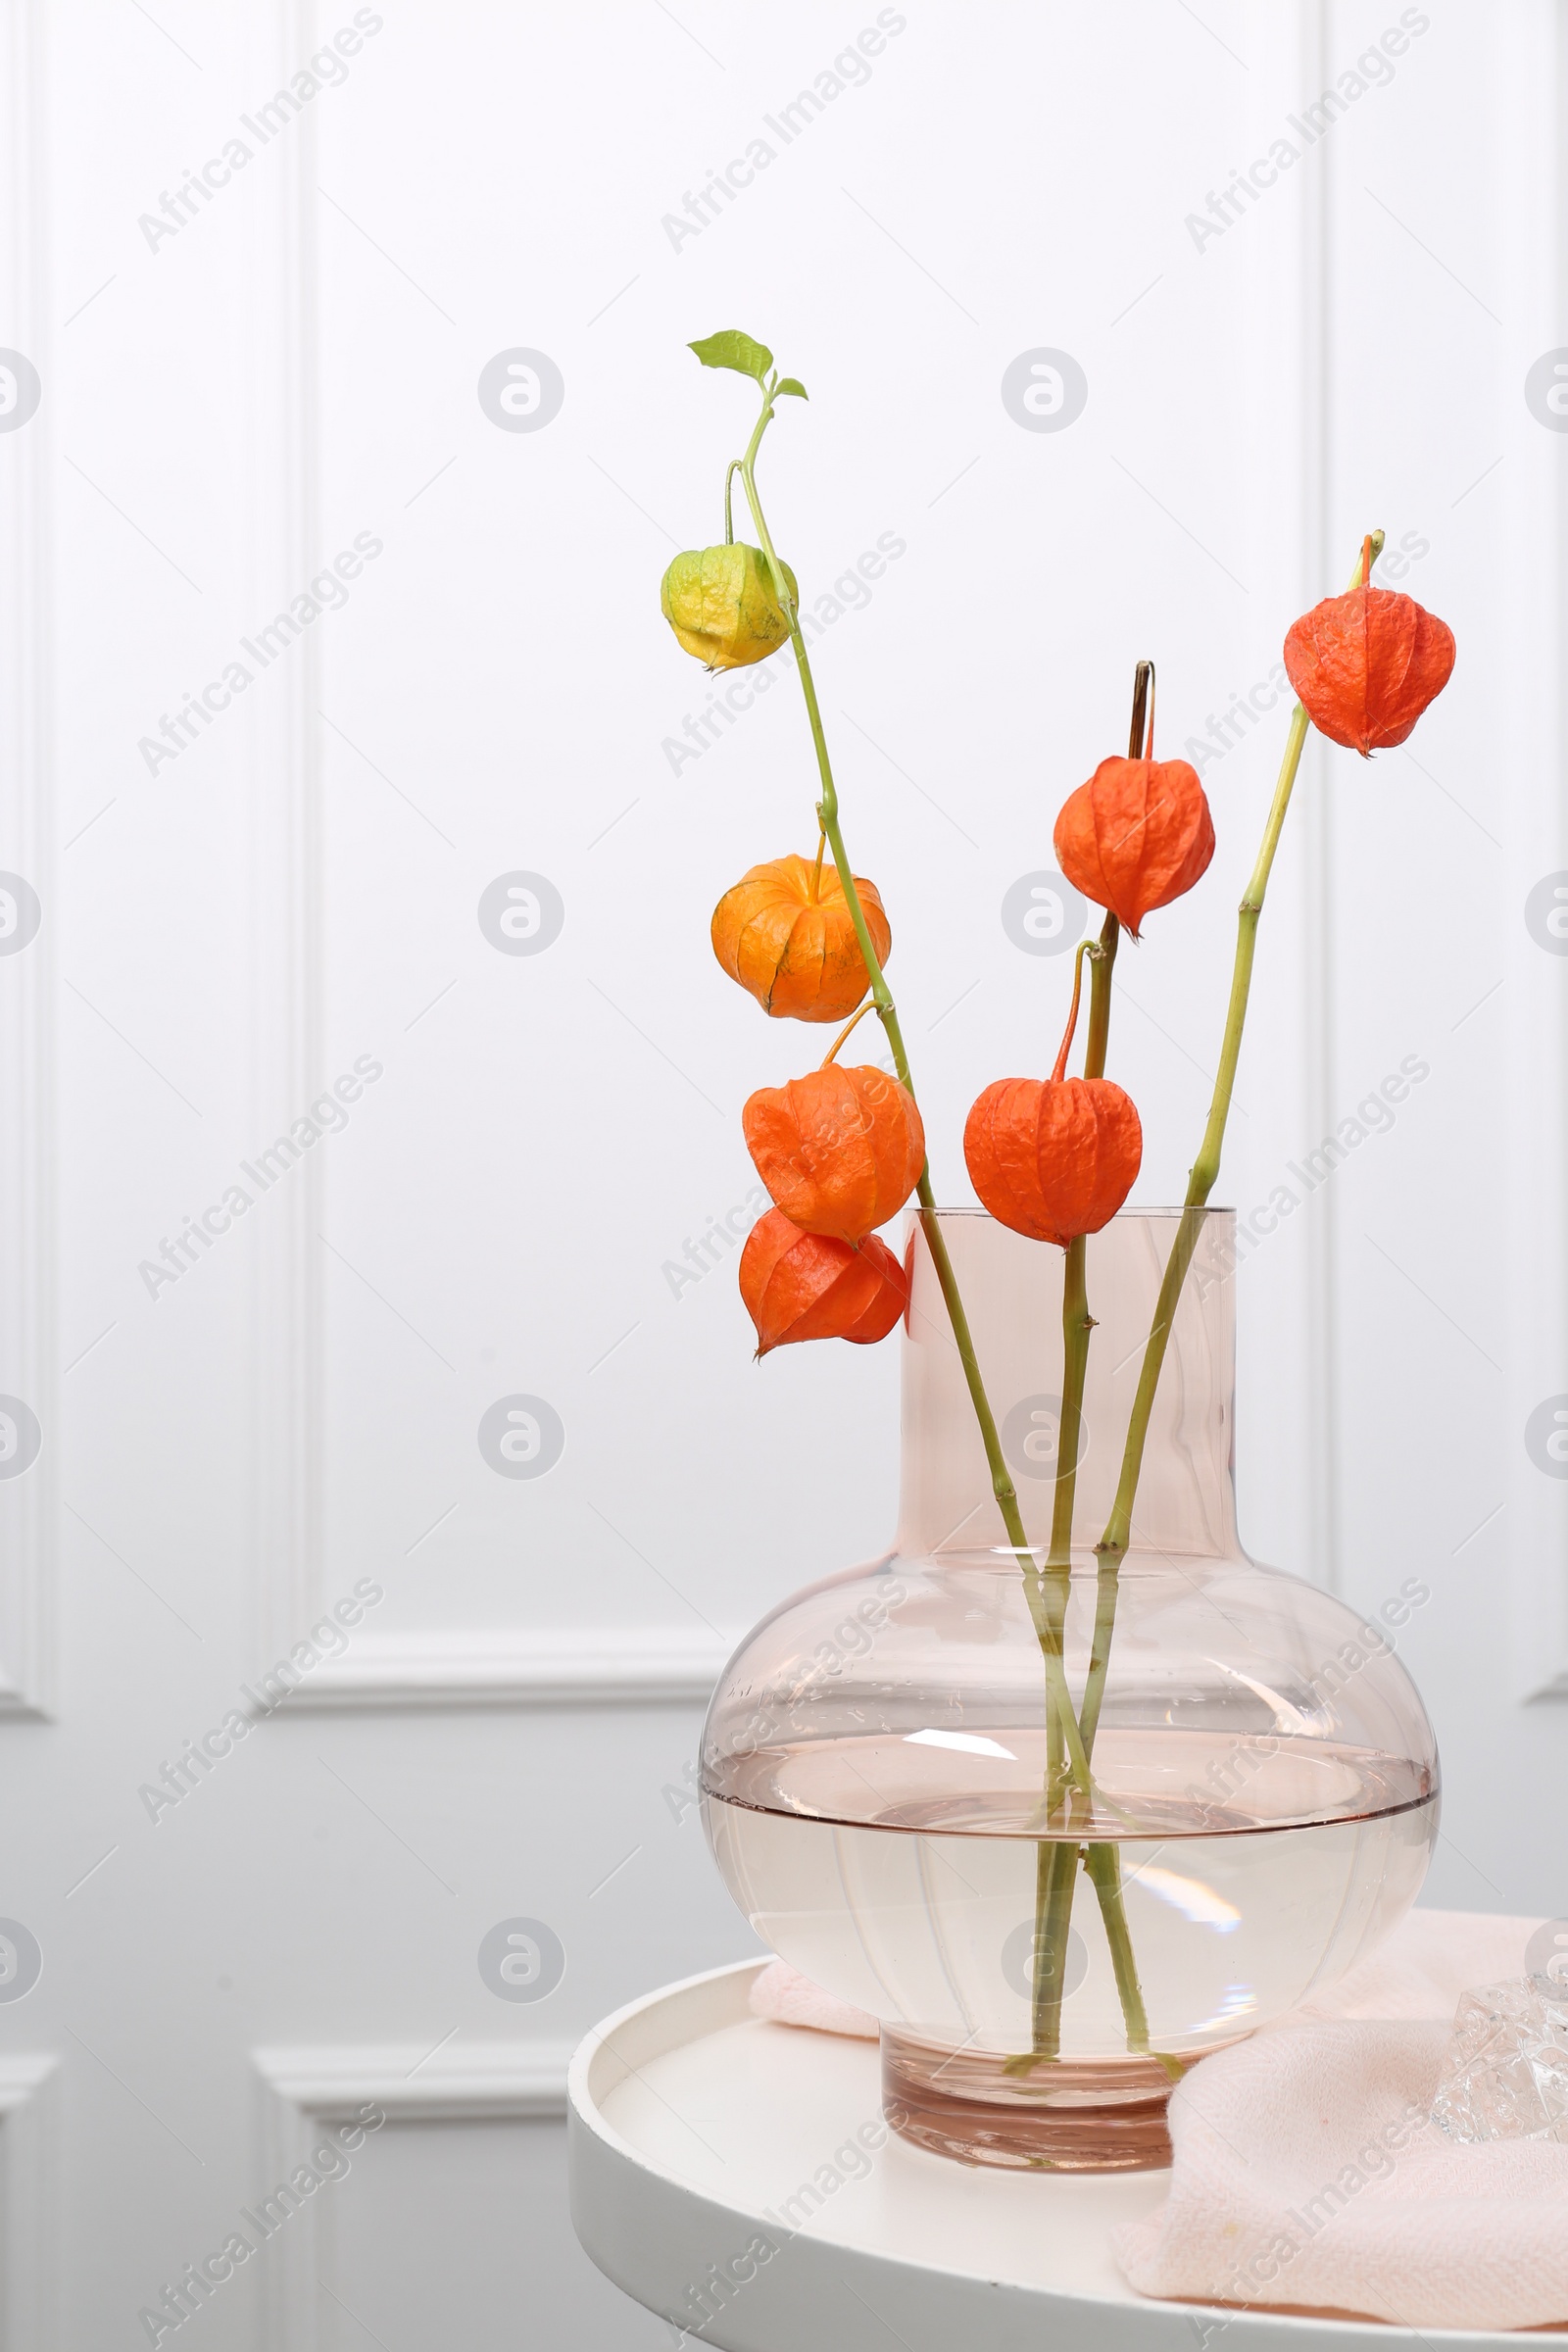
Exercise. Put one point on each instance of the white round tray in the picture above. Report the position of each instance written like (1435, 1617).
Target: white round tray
(715, 2156)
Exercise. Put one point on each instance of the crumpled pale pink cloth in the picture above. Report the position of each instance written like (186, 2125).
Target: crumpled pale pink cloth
(1305, 2171)
(783, 1994)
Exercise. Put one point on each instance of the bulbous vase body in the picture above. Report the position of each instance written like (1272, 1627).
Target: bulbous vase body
(893, 1809)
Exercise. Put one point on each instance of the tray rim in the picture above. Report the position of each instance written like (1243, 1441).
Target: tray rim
(675, 2015)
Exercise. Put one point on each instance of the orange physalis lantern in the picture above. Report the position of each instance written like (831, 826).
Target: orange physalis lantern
(840, 1151)
(784, 932)
(1053, 1158)
(1365, 664)
(804, 1285)
(1136, 836)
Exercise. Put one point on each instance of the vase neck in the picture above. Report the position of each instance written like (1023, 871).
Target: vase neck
(1012, 1296)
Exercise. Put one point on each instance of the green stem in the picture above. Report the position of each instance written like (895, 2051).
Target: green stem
(1002, 1486)
(1076, 1325)
(1103, 1865)
(1055, 1867)
(1054, 1915)
(1047, 1632)
(1112, 1545)
(1104, 954)
(1076, 1322)
(1106, 1592)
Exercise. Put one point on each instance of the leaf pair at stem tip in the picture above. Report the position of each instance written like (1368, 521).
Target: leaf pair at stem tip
(732, 348)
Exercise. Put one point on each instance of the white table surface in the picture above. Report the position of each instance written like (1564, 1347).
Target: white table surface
(693, 2124)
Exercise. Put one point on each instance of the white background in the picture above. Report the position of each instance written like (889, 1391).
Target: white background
(221, 413)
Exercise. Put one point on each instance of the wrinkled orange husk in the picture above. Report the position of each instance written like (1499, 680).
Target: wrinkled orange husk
(1366, 665)
(803, 1286)
(1136, 836)
(1054, 1159)
(800, 958)
(840, 1151)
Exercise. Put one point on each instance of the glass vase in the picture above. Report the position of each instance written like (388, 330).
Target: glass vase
(884, 1784)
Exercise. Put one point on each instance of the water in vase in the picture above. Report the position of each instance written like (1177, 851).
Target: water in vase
(1273, 1871)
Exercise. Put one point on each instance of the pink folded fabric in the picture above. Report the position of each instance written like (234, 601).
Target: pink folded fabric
(783, 1994)
(1305, 2171)
(1305, 2174)
(1421, 1969)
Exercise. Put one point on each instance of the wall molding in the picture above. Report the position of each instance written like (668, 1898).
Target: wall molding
(456, 1667)
(30, 2217)
(282, 780)
(642, 1667)
(306, 2089)
(1292, 1444)
(323, 2083)
(28, 1291)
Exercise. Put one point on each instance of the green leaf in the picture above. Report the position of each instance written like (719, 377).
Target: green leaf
(793, 383)
(732, 348)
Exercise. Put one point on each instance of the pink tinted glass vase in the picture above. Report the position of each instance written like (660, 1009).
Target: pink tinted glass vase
(885, 1800)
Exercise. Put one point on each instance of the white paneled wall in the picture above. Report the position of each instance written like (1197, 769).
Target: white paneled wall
(505, 1177)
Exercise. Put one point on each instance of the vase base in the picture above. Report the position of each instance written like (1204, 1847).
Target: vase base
(1066, 2116)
